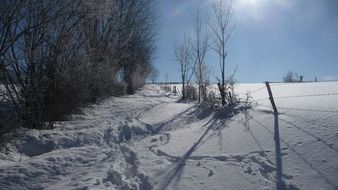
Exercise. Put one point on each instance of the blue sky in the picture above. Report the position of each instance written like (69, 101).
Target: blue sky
(271, 38)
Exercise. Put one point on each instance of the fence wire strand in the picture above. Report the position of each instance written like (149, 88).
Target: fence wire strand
(327, 179)
(307, 95)
(257, 90)
(310, 110)
(298, 154)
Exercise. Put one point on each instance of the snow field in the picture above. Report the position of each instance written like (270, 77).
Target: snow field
(183, 145)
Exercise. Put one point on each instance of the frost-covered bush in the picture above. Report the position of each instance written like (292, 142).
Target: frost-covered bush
(59, 55)
(191, 92)
(212, 98)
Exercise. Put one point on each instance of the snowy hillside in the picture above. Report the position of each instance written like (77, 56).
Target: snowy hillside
(183, 145)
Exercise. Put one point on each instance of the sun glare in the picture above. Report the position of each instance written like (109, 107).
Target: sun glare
(250, 3)
(251, 8)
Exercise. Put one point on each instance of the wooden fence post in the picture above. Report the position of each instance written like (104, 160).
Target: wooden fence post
(279, 169)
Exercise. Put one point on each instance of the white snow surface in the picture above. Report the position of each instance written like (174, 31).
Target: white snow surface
(180, 145)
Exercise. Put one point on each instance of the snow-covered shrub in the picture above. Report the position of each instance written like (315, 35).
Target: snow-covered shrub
(55, 58)
(212, 98)
(231, 97)
(191, 92)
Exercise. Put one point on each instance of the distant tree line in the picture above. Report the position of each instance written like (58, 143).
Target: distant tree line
(58, 55)
(293, 77)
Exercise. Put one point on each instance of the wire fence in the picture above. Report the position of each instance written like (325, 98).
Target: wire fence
(278, 139)
(295, 97)
(298, 153)
(258, 89)
(260, 101)
(307, 95)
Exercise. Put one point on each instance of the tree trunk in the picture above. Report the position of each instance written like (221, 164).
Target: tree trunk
(221, 89)
(183, 89)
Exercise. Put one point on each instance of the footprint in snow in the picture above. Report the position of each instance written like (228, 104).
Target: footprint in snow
(165, 138)
(211, 173)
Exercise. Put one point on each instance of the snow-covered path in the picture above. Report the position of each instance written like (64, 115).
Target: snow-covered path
(82, 153)
(179, 146)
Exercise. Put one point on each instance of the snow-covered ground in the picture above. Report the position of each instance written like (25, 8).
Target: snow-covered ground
(183, 145)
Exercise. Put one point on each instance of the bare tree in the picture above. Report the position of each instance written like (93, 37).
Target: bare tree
(26, 60)
(57, 55)
(199, 49)
(136, 40)
(183, 57)
(222, 29)
(205, 74)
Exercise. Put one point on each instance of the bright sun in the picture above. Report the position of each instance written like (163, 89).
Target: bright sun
(250, 3)
(251, 8)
